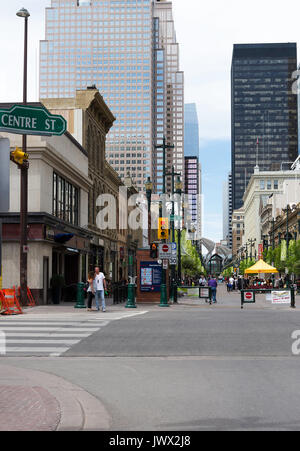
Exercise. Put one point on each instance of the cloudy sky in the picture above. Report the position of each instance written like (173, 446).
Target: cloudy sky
(206, 32)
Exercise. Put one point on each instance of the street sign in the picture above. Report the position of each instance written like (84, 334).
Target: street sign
(165, 264)
(29, 120)
(249, 296)
(173, 261)
(167, 251)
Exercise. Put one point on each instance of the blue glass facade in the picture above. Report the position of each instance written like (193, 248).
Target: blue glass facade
(191, 130)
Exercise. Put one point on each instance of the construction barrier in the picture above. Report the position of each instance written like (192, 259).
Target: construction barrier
(10, 303)
(2, 302)
(30, 299)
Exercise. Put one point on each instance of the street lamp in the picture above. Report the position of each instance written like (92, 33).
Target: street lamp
(149, 187)
(23, 13)
(178, 187)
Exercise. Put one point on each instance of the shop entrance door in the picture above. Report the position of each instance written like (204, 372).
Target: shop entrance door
(71, 269)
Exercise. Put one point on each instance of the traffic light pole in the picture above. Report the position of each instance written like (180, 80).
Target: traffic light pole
(24, 189)
(163, 290)
(173, 267)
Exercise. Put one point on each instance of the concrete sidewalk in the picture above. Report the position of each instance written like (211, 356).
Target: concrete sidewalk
(37, 401)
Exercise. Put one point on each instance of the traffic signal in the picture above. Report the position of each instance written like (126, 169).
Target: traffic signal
(153, 250)
(18, 156)
(163, 228)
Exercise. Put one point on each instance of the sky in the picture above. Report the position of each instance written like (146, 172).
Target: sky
(206, 32)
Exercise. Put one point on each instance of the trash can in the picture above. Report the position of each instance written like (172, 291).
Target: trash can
(80, 296)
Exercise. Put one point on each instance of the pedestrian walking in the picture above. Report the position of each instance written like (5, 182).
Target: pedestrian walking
(202, 281)
(213, 285)
(90, 290)
(99, 287)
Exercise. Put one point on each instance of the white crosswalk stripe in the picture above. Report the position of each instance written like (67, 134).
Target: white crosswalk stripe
(51, 335)
(46, 336)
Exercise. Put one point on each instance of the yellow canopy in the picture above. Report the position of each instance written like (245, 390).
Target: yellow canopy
(261, 267)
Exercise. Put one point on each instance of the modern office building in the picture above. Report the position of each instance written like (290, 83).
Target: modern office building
(191, 130)
(128, 50)
(193, 192)
(264, 111)
(227, 211)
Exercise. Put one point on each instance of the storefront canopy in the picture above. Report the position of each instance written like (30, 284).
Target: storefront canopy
(261, 267)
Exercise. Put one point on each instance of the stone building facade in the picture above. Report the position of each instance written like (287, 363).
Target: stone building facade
(89, 120)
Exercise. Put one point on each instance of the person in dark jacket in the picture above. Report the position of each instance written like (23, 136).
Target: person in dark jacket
(213, 285)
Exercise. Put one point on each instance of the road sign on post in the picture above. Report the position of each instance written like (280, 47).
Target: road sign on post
(167, 251)
(29, 120)
(247, 297)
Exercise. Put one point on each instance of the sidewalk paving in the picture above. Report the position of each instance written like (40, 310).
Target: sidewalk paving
(37, 401)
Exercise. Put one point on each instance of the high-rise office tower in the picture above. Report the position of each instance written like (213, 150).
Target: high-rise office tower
(128, 50)
(193, 191)
(191, 130)
(227, 210)
(264, 111)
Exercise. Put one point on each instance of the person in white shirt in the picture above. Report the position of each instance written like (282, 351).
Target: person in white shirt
(202, 281)
(231, 283)
(99, 287)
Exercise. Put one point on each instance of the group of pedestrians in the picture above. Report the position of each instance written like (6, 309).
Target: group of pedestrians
(236, 283)
(96, 289)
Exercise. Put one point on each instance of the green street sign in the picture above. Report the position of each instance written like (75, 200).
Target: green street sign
(29, 120)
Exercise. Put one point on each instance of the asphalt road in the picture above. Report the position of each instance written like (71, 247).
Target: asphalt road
(189, 368)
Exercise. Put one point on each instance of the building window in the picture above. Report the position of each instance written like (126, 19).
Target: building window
(275, 184)
(84, 2)
(65, 200)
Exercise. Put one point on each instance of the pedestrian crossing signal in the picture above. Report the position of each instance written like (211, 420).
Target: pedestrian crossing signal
(163, 228)
(153, 250)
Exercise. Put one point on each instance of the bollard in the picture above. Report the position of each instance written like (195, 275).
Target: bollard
(80, 296)
(293, 303)
(131, 296)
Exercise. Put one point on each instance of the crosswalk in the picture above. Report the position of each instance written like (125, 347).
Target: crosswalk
(49, 336)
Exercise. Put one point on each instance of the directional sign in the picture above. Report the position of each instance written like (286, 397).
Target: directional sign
(29, 120)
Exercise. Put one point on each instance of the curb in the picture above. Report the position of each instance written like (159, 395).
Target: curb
(79, 410)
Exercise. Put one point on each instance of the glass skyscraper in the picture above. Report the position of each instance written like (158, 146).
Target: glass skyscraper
(126, 49)
(191, 130)
(264, 111)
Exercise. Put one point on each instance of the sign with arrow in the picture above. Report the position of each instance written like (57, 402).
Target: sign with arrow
(29, 120)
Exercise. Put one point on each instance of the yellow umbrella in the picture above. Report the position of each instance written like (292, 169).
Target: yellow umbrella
(261, 267)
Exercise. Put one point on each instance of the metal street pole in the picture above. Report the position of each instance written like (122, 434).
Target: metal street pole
(179, 191)
(24, 177)
(173, 267)
(287, 243)
(149, 187)
(163, 290)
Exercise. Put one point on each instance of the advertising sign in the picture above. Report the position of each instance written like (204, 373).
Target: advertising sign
(281, 297)
(204, 293)
(150, 277)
